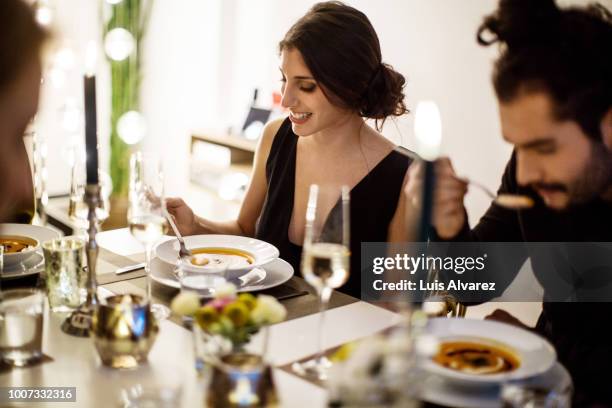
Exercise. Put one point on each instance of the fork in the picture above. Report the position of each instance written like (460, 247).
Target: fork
(183, 251)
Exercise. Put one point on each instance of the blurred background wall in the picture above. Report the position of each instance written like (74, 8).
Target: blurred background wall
(203, 58)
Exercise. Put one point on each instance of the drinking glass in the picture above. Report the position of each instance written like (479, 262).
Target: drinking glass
(146, 213)
(21, 326)
(203, 283)
(153, 385)
(78, 210)
(325, 258)
(531, 394)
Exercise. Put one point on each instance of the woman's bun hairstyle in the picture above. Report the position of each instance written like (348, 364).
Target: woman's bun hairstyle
(342, 51)
(384, 95)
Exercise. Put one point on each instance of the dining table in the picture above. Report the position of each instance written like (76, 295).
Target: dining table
(73, 361)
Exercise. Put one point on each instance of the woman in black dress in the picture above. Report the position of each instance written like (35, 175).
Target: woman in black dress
(332, 78)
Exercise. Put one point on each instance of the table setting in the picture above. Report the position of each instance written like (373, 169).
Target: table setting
(224, 321)
(291, 340)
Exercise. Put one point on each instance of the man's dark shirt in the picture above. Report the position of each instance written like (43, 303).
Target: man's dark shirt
(580, 331)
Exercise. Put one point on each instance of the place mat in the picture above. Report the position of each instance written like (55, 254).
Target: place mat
(5, 368)
(330, 352)
(28, 281)
(288, 367)
(109, 262)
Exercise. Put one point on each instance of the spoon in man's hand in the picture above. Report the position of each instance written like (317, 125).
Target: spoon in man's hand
(510, 201)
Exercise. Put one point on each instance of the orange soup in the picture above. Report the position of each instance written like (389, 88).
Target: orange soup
(476, 358)
(218, 256)
(14, 243)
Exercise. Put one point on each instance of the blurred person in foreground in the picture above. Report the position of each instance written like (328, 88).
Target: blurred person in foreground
(553, 81)
(21, 40)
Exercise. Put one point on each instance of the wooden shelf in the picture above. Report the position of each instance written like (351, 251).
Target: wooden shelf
(210, 161)
(231, 141)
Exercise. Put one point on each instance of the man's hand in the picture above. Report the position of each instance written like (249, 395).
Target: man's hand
(183, 215)
(448, 215)
(505, 317)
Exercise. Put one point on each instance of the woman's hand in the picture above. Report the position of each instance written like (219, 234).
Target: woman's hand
(183, 216)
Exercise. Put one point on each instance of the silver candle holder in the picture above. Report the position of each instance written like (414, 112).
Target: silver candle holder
(79, 322)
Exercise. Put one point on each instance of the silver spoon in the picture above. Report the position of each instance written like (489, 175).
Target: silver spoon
(511, 201)
(183, 251)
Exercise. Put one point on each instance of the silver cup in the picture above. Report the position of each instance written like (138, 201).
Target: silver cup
(65, 273)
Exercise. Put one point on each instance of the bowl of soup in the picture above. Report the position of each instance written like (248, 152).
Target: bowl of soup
(231, 255)
(18, 248)
(486, 352)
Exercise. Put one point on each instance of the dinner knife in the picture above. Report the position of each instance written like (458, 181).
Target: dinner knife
(129, 268)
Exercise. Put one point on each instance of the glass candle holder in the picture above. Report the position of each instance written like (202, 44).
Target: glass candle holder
(124, 330)
(65, 273)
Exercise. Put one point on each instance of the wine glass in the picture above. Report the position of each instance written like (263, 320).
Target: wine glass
(146, 213)
(325, 258)
(78, 209)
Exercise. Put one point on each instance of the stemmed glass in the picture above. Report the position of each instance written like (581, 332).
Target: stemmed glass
(325, 258)
(146, 213)
(78, 210)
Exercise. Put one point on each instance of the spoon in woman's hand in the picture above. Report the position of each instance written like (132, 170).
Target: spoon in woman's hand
(183, 251)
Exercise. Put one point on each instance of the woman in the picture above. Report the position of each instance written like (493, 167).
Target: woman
(332, 78)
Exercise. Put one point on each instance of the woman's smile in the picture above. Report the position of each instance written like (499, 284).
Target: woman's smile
(299, 118)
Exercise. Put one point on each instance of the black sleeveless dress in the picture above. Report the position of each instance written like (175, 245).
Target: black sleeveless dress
(373, 202)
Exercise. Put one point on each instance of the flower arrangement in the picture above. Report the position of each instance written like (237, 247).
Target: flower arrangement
(234, 317)
(375, 371)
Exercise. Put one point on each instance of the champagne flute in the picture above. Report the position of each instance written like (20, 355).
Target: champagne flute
(325, 258)
(145, 212)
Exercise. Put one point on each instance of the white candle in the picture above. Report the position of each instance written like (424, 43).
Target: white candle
(428, 130)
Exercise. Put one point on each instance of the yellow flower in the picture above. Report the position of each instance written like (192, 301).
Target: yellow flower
(248, 300)
(268, 310)
(185, 304)
(344, 352)
(226, 290)
(237, 312)
(206, 315)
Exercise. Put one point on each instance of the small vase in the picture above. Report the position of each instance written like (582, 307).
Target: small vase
(241, 380)
(208, 349)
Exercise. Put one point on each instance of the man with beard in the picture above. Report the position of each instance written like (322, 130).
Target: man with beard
(553, 81)
(21, 40)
